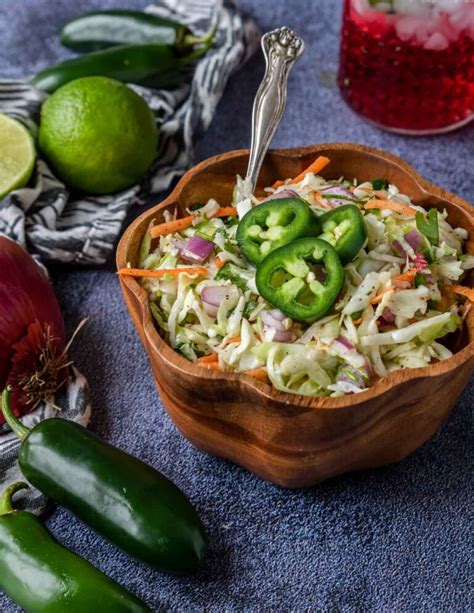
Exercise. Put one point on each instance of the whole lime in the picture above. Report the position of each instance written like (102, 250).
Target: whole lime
(98, 135)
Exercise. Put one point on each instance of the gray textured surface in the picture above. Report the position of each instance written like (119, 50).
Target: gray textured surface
(395, 539)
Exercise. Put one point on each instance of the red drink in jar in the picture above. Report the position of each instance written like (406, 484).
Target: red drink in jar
(408, 65)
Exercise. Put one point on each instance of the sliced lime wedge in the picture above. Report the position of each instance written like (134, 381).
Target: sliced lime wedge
(17, 155)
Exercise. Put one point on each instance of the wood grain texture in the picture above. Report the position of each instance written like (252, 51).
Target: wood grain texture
(296, 441)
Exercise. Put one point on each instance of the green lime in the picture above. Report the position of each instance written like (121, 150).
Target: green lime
(17, 155)
(98, 135)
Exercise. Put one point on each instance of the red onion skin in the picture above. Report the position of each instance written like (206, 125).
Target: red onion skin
(28, 308)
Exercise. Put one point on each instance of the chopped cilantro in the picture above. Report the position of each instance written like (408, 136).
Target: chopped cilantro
(379, 184)
(428, 226)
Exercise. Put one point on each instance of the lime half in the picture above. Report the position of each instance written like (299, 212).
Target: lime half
(17, 155)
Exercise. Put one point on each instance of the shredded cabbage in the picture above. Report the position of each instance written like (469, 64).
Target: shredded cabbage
(392, 313)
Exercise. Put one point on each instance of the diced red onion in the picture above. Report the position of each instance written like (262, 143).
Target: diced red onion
(388, 315)
(277, 314)
(210, 309)
(399, 247)
(278, 336)
(196, 249)
(274, 329)
(274, 319)
(413, 238)
(211, 297)
(285, 193)
(214, 294)
(337, 190)
(344, 342)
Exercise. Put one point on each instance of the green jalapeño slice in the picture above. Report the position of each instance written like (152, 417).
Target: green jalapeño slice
(302, 279)
(344, 228)
(275, 223)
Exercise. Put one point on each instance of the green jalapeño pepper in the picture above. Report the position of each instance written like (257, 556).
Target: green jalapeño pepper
(302, 279)
(128, 502)
(273, 224)
(102, 29)
(344, 228)
(155, 65)
(41, 575)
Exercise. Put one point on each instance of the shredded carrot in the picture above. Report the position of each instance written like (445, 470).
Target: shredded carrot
(320, 200)
(233, 339)
(378, 298)
(318, 164)
(408, 276)
(219, 263)
(226, 211)
(177, 225)
(257, 373)
(208, 359)
(389, 204)
(373, 192)
(463, 291)
(358, 321)
(141, 272)
(170, 227)
(211, 365)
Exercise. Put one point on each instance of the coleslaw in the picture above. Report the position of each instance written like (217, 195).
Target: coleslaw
(401, 296)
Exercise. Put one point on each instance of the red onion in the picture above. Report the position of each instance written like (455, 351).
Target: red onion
(388, 315)
(196, 250)
(278, 336)
(285, 193)
(32, 346)
(274, 319)
(273, 328)
(344, 342)
(337, 190)
(413, 238)
(212, 296)
(399, 247)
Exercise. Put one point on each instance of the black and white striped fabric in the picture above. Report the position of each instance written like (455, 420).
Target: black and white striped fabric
(56, 227)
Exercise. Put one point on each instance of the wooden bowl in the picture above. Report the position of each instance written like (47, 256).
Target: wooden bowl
(297, 441)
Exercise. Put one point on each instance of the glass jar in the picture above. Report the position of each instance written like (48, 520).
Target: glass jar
(408, 65)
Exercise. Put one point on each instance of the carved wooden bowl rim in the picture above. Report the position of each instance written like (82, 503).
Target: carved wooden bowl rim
(266, 390)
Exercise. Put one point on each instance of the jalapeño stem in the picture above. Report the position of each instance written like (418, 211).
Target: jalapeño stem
(205, 40)
(15, 424)
(6, 498)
